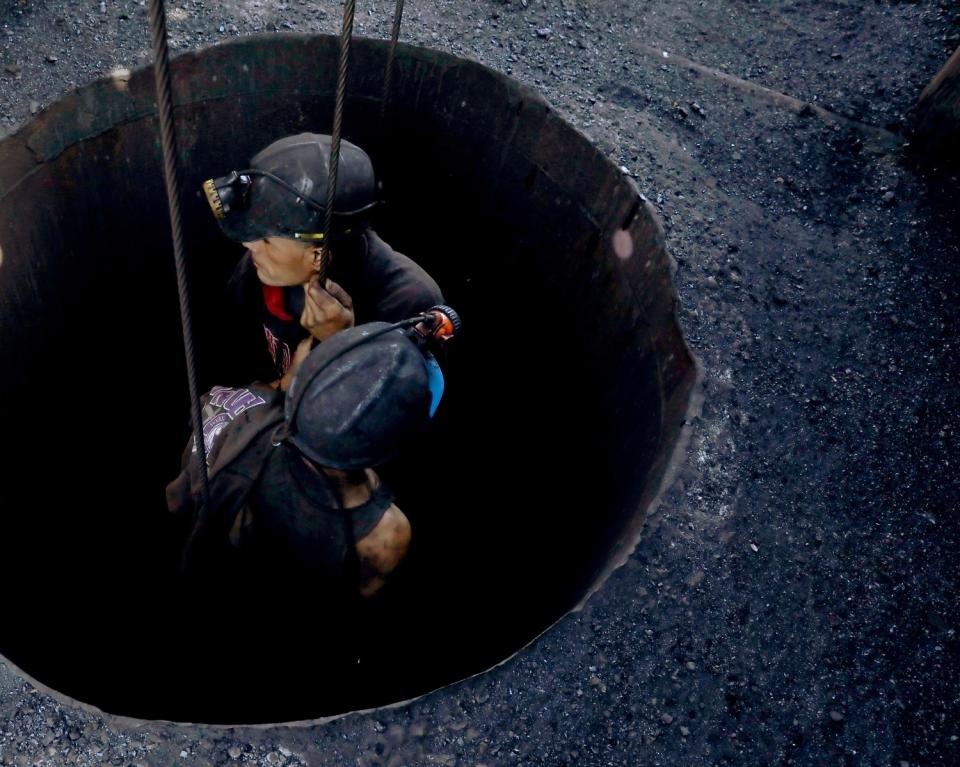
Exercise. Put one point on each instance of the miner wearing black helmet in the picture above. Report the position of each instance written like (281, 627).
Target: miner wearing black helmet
(292, 495)
(276, 208)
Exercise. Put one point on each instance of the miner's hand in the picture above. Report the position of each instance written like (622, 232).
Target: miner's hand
(327, 310)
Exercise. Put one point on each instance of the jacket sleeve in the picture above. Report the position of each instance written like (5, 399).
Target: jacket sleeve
(179, 492)
(207, 536)
(398, 286)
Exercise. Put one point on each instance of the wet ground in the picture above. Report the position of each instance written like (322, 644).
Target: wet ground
(793, 600)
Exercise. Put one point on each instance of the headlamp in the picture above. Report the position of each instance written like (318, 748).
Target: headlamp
(228, 193)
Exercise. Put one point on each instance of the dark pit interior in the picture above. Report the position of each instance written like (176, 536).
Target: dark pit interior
(566, 395)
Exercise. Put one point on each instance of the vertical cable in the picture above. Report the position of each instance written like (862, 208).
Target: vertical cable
(391, 54)
(168, 140)
(346, 34)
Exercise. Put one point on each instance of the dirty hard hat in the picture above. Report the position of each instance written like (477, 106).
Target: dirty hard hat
(358, 398)
(284, 191)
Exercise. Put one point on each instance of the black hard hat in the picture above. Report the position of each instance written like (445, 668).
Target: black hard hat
(358, 398)
(284, 192)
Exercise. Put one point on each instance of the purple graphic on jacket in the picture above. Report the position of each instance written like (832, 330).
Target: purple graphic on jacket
(223, 406)
(234, 401)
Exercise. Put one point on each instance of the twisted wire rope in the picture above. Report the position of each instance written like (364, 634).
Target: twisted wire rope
(346, 34)
(168, 140)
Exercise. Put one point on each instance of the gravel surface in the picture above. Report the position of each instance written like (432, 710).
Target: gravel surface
(794, 600)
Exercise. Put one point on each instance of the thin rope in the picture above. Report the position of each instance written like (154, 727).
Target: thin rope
(168, 139)
(391, 54)
(346, 34)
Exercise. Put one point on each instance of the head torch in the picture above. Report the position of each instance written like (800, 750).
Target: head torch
(227, 193)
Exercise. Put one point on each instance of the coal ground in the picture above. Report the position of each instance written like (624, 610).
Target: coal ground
(793, 601)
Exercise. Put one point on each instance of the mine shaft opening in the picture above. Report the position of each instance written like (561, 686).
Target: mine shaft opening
(565, 398)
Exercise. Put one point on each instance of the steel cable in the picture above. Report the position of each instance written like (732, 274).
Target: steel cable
(168, 140)
(346, 34)
(391, 53)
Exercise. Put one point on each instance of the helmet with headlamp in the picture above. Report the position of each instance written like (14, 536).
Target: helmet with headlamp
(283, 193)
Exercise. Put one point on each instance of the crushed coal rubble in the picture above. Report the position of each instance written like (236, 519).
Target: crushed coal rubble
(793, 600)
